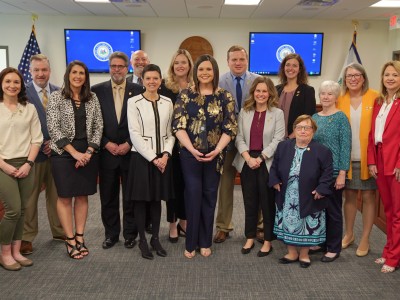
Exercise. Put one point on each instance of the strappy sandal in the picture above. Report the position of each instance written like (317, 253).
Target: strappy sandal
(189, 255)
(81, 245)
(74, 252)
(380, 260)
(387, 269)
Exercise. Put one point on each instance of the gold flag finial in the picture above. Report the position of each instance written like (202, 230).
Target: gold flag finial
(355, 24)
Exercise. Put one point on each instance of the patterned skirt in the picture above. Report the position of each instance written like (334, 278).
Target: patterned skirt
(296, 231)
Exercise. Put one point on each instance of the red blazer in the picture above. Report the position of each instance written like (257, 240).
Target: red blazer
(390, 139)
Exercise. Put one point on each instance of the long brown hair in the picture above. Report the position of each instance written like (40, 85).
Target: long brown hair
(301, 77)
(85, 93)
(250, 103)
(200, 59)
(22, 98)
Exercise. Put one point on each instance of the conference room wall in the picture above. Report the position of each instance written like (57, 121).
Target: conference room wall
(162, 36)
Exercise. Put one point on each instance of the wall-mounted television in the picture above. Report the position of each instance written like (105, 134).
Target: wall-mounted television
(94, 46)
(267, 50)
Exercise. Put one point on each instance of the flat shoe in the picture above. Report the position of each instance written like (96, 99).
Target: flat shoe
(327, 259)
(25, 262)
(285, 261)
(14, 267)
(345, 245)
(247, 250)
(189, 255)
(304, 264)
(263, 254)
(206, 252)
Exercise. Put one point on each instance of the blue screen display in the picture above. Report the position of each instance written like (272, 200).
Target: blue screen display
(93, 47)
(267, 50)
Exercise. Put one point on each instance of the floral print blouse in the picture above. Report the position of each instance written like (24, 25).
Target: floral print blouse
(205, 119)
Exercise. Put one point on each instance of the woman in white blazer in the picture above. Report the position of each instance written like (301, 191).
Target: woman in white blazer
(261, 128)
(150, 179)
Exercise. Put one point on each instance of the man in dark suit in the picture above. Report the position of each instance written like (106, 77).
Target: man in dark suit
(38, 92)
(139, 60)
(115, 154)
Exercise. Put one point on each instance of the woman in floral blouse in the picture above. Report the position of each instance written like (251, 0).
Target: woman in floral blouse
(204, 123)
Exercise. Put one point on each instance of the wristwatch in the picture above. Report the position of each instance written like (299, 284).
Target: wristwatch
(29, 162)
(88, 151)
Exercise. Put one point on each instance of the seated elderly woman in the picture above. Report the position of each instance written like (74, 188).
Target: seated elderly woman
(301, 174)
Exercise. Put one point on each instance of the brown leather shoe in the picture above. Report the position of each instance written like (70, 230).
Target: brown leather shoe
(220, 236)
(26, 248)
(260, 236)
(60, 238)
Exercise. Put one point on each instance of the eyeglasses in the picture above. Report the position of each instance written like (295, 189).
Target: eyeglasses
(356, 76)
(305, 128)
(117, 67)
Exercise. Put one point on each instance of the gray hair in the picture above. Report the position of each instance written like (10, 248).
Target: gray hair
(331, 86)
(359, 68)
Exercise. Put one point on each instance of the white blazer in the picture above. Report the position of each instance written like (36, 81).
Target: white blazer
(273, 133)
(150, 127)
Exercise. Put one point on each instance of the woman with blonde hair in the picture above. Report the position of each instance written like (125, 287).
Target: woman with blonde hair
(180, 77)
(261, 127)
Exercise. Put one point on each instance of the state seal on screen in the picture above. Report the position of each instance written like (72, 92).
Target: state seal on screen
(283, 51)
(102, 51)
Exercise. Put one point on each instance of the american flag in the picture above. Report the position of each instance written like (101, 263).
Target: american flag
(31, 48)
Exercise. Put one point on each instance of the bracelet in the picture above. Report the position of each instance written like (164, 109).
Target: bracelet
(88, 151)
(218, 148)
(29, 162)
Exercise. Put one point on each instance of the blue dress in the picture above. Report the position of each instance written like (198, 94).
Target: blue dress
(289, 227)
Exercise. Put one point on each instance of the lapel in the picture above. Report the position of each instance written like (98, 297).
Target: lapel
(392, 112)
(34, 99)
(288, 157)
(109, 101)
(128, 94)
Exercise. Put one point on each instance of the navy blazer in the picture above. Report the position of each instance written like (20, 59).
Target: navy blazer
(34, 98)
(316, 173)
(113, 131)
(303, 103)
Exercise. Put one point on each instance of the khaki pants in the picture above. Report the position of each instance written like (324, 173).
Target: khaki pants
(44, 177)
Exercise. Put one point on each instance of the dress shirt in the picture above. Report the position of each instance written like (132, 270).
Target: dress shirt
(381, 120)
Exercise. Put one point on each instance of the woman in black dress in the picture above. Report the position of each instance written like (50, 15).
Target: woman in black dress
(180, 77)
(149, 180)
(75, 126)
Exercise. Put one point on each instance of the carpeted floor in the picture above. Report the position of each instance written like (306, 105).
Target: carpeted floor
(119, 273)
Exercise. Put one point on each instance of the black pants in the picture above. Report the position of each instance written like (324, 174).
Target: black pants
(109, 183)
(256, 194)
(334, 221)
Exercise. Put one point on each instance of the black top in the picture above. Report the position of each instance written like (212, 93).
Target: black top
(80, 121)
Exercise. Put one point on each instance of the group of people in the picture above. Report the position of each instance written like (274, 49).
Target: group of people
(182, 139)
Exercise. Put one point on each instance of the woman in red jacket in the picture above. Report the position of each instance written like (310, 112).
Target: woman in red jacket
(384, 160)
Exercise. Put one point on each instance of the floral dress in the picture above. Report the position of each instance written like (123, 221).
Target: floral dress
(289, 227)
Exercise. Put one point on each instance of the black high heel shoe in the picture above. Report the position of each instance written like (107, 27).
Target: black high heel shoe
(179, 227)
(73, 253)
(155, 244)
(144, 248)
(81, 245)
(173, 240)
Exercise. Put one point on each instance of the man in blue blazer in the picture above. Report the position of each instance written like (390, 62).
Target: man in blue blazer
(238, 63)
(115, 151)
(38, 92)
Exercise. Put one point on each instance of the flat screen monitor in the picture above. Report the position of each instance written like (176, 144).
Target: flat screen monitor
(94, 47)
(267, 50)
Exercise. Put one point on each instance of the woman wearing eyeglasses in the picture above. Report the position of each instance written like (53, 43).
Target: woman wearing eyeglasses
(333, 132)
(301, 174)
(357, 101)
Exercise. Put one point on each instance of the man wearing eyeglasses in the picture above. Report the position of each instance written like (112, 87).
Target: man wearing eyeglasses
(115, 151)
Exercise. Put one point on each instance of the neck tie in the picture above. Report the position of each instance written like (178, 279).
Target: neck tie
(118, 102)
(45, 98)
(140, 81)
(238, 93)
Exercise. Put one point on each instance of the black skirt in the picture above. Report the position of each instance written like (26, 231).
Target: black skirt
(146, 182)
(71, 181)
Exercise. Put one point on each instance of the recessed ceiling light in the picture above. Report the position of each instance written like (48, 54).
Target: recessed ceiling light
(242, 2)
(387, 3)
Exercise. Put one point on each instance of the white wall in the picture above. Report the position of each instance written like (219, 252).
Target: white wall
(161, 37)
